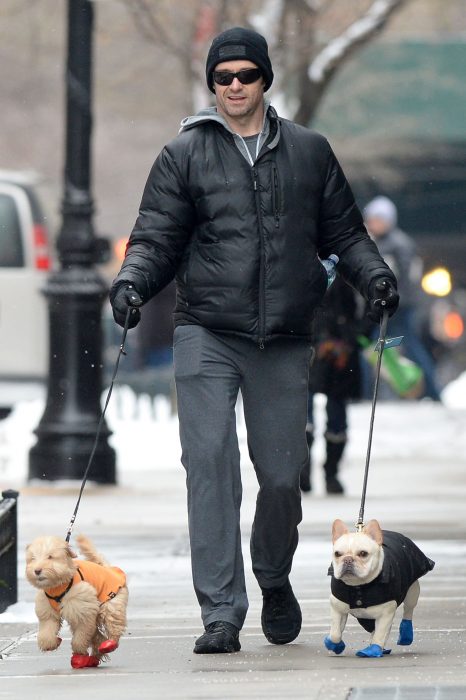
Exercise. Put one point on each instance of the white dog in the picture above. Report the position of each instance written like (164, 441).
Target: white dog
(373, 572)
(89, 594)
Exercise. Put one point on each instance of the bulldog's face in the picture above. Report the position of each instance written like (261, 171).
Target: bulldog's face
(357, 557)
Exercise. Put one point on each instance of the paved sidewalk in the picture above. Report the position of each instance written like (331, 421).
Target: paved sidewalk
(140, 525)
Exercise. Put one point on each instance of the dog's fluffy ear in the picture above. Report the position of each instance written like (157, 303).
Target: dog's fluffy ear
(71, 551)
(338, 529)
(373, 530)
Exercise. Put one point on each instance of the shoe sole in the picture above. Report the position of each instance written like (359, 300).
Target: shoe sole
(230, 649)
(281, 639)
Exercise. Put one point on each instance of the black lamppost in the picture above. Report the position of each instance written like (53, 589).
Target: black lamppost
(75, 293)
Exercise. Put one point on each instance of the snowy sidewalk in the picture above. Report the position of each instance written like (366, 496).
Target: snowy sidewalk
(417, 485)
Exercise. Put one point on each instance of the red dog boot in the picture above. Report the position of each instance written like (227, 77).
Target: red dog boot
(84, 661)
(108, 646)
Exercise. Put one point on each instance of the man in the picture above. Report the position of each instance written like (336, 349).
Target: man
(238, 207)
(399, 251)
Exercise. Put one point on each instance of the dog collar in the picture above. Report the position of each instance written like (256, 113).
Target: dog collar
(58, 598)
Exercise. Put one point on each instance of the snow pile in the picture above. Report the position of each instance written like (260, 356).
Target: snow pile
(145, 431)
(19, 612)
(454, 395)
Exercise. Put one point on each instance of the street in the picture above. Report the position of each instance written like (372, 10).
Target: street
(140, 525)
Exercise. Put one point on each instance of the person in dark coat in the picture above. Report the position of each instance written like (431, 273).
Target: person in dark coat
(335, 373)
(239, 208)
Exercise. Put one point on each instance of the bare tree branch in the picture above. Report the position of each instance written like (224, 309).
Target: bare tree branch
(148, 24)
(360, 32)
(303, 71)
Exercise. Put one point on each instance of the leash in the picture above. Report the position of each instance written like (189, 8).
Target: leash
(101, 421)
(382, 343)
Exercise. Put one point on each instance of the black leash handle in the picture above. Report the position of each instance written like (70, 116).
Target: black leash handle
(380, 346)
(101, 421)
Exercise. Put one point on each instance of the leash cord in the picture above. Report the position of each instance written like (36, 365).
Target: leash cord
(100, 424)
(380, 346)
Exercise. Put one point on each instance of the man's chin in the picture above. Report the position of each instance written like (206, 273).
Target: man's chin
(237, 110)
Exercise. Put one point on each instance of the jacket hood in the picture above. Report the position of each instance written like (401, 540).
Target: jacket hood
(203, 116)
(211, 114)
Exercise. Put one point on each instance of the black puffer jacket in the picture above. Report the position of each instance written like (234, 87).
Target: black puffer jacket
(244, 241)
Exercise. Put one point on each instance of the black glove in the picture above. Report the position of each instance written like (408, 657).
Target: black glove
(382, 295)
(126, 297)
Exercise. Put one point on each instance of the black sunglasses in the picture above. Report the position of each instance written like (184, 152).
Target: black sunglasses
(246, 76)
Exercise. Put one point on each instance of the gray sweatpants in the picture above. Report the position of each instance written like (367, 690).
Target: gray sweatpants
(210, 369)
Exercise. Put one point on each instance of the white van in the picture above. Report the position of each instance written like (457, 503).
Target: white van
(24, 262)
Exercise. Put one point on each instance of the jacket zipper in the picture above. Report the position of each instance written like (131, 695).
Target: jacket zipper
(262, 263)
(275, 196)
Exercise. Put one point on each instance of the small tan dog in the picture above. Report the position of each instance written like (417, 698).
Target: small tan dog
(89, 594)
(373, 572)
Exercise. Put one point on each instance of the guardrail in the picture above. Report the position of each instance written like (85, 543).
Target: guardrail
(8, 549)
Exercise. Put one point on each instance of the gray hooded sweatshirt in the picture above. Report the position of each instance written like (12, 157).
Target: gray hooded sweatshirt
(211, 114)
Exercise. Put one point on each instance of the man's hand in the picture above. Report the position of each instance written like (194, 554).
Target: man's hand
(382, 296)
(126, 297)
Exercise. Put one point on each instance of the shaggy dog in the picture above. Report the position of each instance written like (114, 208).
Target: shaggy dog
(89, 594)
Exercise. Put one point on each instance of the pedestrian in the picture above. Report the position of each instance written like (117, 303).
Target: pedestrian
(238, 207)
(399, 251)
(335, 373)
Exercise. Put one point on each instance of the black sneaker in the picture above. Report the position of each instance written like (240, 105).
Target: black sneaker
(334, 485)
(281, 614)
(219, 638)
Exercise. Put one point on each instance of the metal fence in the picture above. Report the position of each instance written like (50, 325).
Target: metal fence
(8, 549)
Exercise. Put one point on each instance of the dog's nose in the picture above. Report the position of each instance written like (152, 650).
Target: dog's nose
(37, 571)
(348, 560)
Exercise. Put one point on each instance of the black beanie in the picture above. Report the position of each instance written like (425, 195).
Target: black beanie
(236, 44)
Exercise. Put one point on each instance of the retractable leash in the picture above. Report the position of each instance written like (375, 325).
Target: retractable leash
(382, 343)
(101, 420)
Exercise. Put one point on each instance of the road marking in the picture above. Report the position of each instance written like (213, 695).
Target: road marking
(6, 651)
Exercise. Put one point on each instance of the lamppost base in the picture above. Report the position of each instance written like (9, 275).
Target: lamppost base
(66, 457)
(67, 430)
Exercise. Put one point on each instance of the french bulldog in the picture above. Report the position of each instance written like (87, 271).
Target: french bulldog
(373, 571)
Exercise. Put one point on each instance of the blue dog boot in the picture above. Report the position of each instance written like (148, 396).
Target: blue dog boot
(406, 633)
(373, 651)
(336, 647)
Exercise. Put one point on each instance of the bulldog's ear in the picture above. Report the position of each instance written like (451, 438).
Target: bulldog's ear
(373, 530)
(338, 529)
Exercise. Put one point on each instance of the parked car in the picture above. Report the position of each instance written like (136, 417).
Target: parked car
(24, 261)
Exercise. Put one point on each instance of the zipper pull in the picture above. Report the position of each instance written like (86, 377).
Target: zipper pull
(261, 343)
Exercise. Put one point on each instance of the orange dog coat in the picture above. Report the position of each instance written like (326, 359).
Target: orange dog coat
(107, 581)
